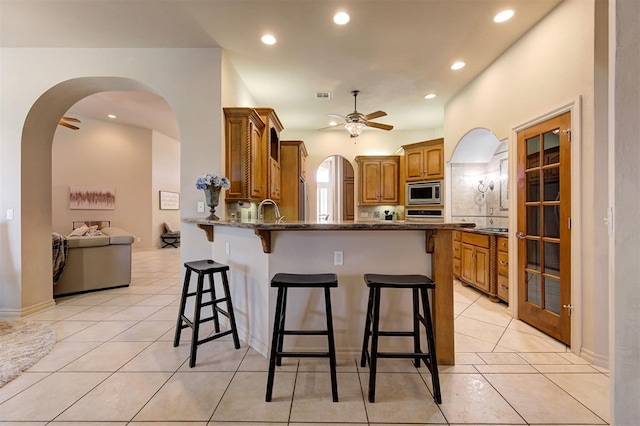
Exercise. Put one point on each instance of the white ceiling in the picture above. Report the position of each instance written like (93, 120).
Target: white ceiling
(393, 51)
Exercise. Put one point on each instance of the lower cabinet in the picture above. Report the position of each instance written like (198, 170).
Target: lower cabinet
(503, 268)
(482, 261)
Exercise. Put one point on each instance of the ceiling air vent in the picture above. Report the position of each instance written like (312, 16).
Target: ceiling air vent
(323, 96)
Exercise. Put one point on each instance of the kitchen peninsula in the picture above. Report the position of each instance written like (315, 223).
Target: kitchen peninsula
(255, 251)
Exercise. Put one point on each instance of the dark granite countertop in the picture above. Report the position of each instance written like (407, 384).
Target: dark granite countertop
(500, 232)
(345, 226)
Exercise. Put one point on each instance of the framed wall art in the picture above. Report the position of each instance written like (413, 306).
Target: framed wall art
(87, 198)
(504, 184)
(169, 200)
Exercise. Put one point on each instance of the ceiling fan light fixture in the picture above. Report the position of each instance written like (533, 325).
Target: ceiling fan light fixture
(355, 128)
(341, 18)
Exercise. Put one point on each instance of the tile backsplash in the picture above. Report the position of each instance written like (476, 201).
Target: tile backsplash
(486, 203)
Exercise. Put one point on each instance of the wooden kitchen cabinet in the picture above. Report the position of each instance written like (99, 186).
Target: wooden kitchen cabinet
(475, 261)
(271, 144)
(424, 160)
(293, 161)
(378, 179)
(503, 268)
(245, 155)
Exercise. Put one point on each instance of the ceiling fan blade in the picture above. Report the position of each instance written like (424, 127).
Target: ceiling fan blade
(71, 126)
(376, 114)
(337, 116)
(72, 119)
(379, 125)
(335, 126)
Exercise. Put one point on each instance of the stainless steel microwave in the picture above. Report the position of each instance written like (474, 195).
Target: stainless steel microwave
(425, 193)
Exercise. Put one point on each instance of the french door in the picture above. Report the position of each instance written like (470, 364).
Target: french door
(544, 226)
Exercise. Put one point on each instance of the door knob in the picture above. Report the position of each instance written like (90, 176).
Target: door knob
(520, 235)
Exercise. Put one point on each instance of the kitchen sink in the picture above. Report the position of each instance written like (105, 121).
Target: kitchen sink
(494, 229)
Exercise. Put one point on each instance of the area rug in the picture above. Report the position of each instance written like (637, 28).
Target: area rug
(22, 344)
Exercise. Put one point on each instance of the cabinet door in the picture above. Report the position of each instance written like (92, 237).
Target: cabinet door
(370, 176)
(481, 256)
(414, 165)
(468, 263)
(434, 162)
(274, 187)
(257, 175)
(389, 182)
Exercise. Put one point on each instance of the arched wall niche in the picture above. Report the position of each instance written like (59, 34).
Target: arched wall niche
(35, 194)
(476, 146)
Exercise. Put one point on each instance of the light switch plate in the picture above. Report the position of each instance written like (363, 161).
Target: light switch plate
(200, 206)
(338, 258)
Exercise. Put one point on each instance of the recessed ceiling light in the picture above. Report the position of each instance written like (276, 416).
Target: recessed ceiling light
(333, 123)
(268, 39)
(458, 65)
(505, 15)
(430, 96)
(341, 18)
(111, 116)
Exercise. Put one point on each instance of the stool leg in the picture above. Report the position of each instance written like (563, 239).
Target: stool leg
(416, 328)
(214, 306)
(433, 359)
(232, 317)
(367, 330)
(196, 321)
(332, 346)
(274, 343)
(183, 303)
(281, 323)
(373, 364)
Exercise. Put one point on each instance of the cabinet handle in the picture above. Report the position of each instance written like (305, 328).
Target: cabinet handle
(503, 263)
(504, 287)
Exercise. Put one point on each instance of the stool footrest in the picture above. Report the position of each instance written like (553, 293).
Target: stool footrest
(396, 333)
(404, 355)
(214, 337)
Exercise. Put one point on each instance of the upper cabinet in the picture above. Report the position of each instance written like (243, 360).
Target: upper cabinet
(271, 142)
(378, 179)
(424, 160)
(246, 155)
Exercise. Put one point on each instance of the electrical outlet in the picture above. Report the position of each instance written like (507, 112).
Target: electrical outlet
(338, 258)
(9, 214)
(200, 206)
(227, 248)
(364, 214)
(138, 239)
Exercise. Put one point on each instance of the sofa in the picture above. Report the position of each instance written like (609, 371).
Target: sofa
(96, 262)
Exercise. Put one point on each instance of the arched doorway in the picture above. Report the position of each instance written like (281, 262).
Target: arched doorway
(335, 190)
(36, 169)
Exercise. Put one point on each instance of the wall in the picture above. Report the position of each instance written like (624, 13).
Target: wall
(549, 67)
(165, 176)
(38, 87)
(103, 155)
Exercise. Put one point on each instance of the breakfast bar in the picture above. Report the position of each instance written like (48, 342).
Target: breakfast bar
(255, 251)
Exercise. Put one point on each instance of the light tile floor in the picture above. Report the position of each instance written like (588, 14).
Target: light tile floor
(114, 364)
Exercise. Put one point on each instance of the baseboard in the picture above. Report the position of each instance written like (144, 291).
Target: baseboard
(594, 358)
(33, 309)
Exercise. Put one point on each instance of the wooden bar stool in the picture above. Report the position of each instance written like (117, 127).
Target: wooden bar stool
(202, 268)
(284, 282)
(419, 285)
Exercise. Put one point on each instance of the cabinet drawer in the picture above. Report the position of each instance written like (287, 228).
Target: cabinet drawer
(456, 267)
(475, 239)
(456, 249)
(503, 264)
(503, 244)
(456, 235)
(503, 287)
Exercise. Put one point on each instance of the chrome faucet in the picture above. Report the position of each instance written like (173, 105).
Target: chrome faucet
(279, 219)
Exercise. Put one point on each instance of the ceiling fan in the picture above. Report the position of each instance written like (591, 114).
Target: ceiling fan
(356, 122)
(64, 121)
